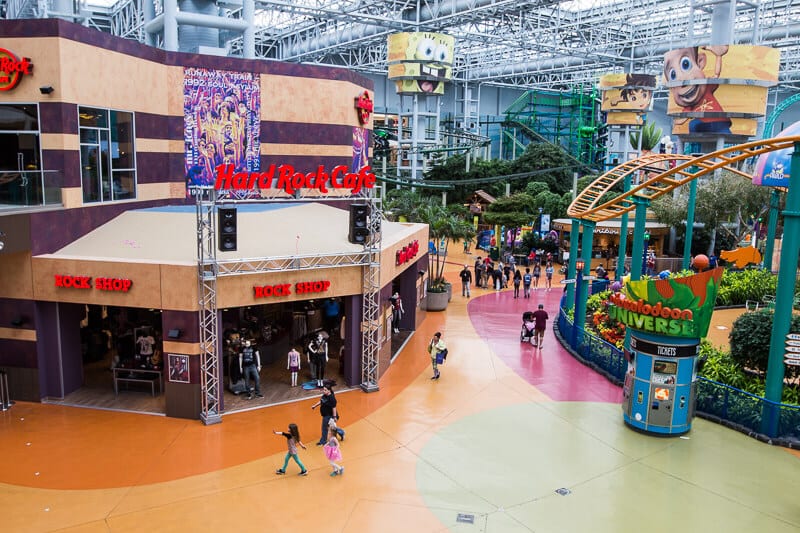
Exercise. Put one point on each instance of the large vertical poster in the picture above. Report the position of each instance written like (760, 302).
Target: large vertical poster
(360, 149)
(221, 122)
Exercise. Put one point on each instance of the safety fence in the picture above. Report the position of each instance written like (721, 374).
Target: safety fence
(771, 422)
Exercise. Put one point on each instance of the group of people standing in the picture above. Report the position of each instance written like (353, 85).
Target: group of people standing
(503, 274)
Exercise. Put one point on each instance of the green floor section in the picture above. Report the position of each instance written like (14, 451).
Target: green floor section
(504, 466)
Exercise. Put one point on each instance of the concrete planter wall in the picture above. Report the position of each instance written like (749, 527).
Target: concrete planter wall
(436, 301)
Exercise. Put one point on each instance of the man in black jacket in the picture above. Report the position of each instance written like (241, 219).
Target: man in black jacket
(466, 281)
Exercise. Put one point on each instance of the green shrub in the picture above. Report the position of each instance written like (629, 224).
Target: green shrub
(595, 301)
(750, 338)
(735, 288)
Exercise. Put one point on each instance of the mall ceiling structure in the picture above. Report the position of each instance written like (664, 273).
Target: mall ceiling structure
(527, 44)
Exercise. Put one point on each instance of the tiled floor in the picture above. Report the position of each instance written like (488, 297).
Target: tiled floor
(492, 441)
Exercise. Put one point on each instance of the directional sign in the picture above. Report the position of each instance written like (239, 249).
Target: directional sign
(793, 349)
(793, 336)
(792, 362)
(792, 343)
(792, 355)
(567, 281)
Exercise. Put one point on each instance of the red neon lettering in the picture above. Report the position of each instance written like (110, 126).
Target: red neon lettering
(258, 292)
(285, 173)
(298, 181)
(59, 281)
(322, 180)
(265, 178)
(126, 284)
(338, 183)
(224, 176)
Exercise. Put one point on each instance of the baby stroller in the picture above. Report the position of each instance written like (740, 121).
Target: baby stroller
(527, 332)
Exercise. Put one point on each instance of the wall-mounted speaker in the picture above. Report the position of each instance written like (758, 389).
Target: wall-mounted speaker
(226, 221)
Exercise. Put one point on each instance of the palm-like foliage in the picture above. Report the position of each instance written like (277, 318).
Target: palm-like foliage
(650, 136)
(443, 226)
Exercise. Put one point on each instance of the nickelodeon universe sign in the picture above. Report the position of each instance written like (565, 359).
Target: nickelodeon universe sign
(656, 318)
(12, 69)
(285, 177)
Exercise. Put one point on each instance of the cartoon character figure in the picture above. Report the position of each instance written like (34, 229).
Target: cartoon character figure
(637, 95)
(686, 65)
(420, 62)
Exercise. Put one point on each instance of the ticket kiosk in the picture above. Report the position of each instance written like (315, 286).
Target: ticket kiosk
(660, 385)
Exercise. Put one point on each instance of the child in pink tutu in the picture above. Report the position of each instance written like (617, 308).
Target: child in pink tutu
(332, 450)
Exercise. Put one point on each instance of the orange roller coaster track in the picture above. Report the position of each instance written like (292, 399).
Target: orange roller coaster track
(659, 180)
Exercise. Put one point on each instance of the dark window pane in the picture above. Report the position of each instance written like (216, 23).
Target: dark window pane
(122, 139)
(88, 136)
(17, 117)
(124, 185)
(93, 118)
(90, 178)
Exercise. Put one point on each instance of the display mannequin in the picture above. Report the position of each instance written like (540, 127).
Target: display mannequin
(397, 311)
(250, 366)
(318, 354)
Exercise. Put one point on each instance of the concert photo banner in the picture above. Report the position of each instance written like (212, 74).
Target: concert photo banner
(221, 123)
(360, 149)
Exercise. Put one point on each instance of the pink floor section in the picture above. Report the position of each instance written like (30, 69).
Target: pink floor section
(497, 317)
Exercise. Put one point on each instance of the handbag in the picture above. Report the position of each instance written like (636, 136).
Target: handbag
(441, 356)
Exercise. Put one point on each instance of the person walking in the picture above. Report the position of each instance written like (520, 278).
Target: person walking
(540, 320)
(333, 451)
(517, 281)
(537, 272)
(293, 364)
(292, 442)
(466, 281)
(548, 275)
(250, 366)
(327, 409)
(435, 347)
(526, 283)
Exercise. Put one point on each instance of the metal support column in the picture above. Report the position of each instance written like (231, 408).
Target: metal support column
(772, 228)
(687, 239)
(637, 252)
(371, 289)
(207, 270)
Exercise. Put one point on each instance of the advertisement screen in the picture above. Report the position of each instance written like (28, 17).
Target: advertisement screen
(420, 62)
(711, 86)
(221, 122)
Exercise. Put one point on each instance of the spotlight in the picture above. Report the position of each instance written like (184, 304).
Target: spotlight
(46, 89)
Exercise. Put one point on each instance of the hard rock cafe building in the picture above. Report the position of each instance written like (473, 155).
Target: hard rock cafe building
(103, 143)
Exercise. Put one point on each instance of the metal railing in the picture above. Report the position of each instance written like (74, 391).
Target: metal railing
(29, 188)
(763, 419)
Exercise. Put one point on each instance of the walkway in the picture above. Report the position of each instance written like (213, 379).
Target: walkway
(492, 442)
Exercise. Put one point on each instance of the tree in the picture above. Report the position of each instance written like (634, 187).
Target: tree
(512, 212)
(443, 226)
(649, 134)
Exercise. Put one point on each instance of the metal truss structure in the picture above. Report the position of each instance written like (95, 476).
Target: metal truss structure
(530, 44)
(210, 367)
(209, 269)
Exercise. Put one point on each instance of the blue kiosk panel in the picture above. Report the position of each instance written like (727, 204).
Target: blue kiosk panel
(659, 388)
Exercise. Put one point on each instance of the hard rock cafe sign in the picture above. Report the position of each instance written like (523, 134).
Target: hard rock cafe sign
(12, 69)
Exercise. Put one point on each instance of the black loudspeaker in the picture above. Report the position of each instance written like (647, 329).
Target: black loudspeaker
(359, 224)
(226, 218)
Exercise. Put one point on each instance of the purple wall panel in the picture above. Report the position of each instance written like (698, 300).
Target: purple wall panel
(186, 321)
(352, 340)
(58, 117)
(304, 163)
(70, 316)
(150, 126)
(11, 309)
(303, 133)
(17, 353)
(67, 163)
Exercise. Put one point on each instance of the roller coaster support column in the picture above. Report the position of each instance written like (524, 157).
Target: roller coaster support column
(638, 237)
(687, 240)
(623, 232)
(573, 256)
(772, 226)
(784, 297)
(583, 288)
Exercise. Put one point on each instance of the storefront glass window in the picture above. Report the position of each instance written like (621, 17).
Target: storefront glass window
(22, 182)
(108, 168)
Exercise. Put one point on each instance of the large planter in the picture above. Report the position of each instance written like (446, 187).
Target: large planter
(436, 301)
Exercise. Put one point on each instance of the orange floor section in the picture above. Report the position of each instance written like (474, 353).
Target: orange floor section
(73, 469)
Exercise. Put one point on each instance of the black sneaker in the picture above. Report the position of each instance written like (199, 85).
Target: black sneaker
(303, 473)
(250, 397)
(280, 471)
(259, 395)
